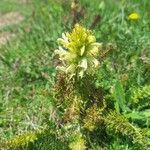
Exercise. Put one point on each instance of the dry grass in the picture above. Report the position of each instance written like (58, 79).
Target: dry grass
(5, 37)
(10, 18)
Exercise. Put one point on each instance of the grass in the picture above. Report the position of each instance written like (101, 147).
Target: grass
(27, 71)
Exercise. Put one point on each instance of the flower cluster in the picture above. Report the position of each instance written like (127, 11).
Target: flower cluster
(78, 52)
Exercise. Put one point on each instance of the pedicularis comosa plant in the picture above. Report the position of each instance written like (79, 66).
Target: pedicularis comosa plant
(87, 116)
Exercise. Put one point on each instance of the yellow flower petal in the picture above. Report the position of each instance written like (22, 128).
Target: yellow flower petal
(84, 63)
(82, 50)
(91, 39)
(134, 16)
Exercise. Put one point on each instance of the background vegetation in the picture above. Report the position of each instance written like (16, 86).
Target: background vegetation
(27, 70)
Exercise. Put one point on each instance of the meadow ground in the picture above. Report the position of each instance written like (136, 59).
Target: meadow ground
(28, 34)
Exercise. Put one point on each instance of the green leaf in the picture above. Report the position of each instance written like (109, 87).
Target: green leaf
(143, 115)
(119, 97)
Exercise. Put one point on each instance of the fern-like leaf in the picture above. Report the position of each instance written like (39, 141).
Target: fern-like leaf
(140, 93)
(118, 123)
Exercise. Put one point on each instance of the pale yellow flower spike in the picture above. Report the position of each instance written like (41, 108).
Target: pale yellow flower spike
(134, 16)
(78, 51)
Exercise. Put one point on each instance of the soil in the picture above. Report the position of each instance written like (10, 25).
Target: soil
(5, 37)
(10, 18)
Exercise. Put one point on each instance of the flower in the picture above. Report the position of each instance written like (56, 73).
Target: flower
(78, 52)
(134, 16)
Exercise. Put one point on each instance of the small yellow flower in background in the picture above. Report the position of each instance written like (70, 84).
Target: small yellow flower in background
(134, 16)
